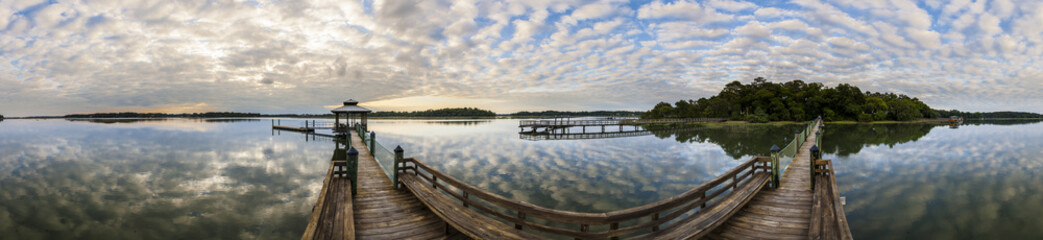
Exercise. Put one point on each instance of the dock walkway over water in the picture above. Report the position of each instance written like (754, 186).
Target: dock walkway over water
(790, 194)
(552, 124)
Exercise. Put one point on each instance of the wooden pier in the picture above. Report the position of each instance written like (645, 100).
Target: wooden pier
(758, 199)
(551, 124)
(376, 211)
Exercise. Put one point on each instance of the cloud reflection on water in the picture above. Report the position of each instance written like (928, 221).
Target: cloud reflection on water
(975, 182)
(596, 175)
(73, 181)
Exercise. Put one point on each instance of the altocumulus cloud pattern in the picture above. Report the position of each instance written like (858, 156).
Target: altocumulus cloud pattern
(296, 56)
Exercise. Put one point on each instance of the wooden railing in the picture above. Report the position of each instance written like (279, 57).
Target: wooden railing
(528, 123)
(828, 220)
(643, 221)
(320, 225)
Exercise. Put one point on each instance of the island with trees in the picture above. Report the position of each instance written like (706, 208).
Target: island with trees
(763, 101)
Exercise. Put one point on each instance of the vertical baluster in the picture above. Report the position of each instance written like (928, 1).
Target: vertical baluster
(521, 220)
(655, 218)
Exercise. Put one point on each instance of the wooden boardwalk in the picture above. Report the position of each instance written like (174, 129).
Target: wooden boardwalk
(735, 205)
(381, 212)
(782, 213)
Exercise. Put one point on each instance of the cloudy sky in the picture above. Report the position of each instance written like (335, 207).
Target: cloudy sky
(60, 57)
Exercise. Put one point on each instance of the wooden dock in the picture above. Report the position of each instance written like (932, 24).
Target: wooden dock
(291, 128)
(782, 213)
(750, 201)
(381, 212)
(376, 211)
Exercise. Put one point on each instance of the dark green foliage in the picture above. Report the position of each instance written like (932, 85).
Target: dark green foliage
(757, 117)
(795, 100)
(444, 112)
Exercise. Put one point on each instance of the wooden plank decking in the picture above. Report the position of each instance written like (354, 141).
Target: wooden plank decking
(381, 212)
(782, 213)
(332, 215)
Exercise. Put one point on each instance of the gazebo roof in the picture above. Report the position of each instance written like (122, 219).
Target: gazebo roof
(351, 106)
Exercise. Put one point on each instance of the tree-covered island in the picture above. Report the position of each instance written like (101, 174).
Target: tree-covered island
(763, 101)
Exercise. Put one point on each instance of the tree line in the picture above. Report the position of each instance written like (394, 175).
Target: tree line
(444, 112)
(163, 115)
(763, 101)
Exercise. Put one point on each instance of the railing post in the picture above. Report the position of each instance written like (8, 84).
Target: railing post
(353, 169)
(818, 139)
(775, 166)
(398, 161)
(814, 165)
(372, 143)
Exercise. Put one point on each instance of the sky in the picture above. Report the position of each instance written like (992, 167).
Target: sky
(60, 57)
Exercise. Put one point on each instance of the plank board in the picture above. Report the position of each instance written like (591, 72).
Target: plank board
(782, 213)
(381, 212)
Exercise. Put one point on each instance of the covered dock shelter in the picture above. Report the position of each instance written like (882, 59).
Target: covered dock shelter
(353, 114)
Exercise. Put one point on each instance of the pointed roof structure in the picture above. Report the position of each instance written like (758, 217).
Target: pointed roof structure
(351, 106)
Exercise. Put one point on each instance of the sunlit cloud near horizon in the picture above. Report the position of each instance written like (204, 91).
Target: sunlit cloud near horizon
(60, 57)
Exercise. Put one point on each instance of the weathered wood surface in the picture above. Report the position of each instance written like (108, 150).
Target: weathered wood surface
(295, 129)
(782, 213)
(381, 212)
(687, 215)
(332, 216)
(828, 220)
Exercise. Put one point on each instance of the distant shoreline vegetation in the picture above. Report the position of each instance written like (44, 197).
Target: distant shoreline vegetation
(763, 101)
(465, 112)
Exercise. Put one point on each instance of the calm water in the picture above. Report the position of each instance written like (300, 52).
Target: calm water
(190, 179)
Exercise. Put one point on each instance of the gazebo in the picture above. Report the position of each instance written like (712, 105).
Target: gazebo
(350, 107)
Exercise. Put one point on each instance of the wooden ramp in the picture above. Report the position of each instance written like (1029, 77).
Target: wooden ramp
(782, 213)
(381, 212)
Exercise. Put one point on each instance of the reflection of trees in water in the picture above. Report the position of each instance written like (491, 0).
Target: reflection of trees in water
(736, 140)
(1000, 122)
(755, 140)
(847, 139)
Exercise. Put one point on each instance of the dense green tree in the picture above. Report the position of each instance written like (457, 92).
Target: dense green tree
(795, 100)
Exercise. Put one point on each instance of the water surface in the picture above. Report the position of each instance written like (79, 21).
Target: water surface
(228, 179)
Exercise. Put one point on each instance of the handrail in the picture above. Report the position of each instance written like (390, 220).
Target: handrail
(649, 217)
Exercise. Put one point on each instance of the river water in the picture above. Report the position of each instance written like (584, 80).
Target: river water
(225, 179)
